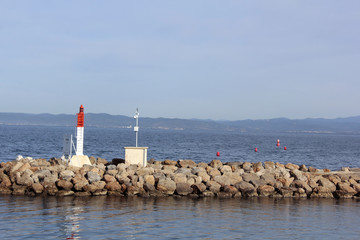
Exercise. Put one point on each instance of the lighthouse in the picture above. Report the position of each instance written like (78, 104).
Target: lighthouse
(80, 132)
(79, 159)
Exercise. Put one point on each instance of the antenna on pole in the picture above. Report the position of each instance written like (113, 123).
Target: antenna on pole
(136, 128)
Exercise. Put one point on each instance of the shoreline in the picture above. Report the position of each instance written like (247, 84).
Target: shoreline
(32, 177)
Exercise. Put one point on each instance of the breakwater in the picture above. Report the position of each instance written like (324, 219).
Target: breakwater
(27, 176)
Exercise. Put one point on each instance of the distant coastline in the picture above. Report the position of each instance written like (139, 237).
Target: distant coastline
(349, 125)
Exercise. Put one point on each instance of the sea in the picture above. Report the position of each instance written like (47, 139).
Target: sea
(108, 217)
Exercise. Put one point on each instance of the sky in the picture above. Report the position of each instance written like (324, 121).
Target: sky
(205, 59)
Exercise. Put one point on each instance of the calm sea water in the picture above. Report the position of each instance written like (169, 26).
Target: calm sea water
(331, 151)
(177, 218)
(181, 218)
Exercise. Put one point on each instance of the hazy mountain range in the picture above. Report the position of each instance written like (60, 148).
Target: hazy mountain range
(338, 125)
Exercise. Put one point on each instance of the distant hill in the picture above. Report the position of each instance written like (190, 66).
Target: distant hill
(320, 125)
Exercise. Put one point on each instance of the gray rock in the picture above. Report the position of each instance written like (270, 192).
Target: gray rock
(111, 167)
(66, 175)
(166, 186)
(222, 180)
(268, 178)
(145, 171)
(93, 177)
(183, 189)
(250, 177)
(213, 186)
(246, 189)
(185, 171)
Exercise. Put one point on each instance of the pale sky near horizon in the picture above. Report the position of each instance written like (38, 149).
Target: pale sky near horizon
(207, 59)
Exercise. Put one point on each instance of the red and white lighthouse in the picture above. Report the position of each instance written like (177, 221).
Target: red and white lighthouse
(80, 132)
(79, 159)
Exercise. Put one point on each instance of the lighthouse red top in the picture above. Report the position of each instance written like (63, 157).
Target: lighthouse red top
(80, 115)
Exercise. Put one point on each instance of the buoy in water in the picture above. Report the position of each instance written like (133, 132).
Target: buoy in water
(256, 149)
(218, 154)
(278, 143)
(285, 148)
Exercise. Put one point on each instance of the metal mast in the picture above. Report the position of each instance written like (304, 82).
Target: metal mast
(136, 128)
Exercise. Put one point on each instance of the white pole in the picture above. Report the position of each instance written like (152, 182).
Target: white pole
(136, 128)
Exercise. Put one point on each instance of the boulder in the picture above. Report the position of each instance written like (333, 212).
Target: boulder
(109, 178)
(25, 178)
(101, 161)
(344, 191)
(225, 169)
(286, 191)
(18, 190)
(183, 189)
(247, 177)
(222, 180)
(265, 190)
(66, 175)
(258, 182)
(213, 173)
(247, 166)
(268, 178)
(198, 188)
(257, 166)
(37, 188)
(231, 189)
(269, 165)
(196, 170)
(50, 188)
(303, 168)
(216, 164)
(145, 171)
(312, 170)
(186, 163)
(166, 186)
(246, 189)
(149, 179)
(213, 186)
(327, 185)
(4, 180)
(169, 162)
(93, 177)
(179, 178)
(298, 175)
(291, 166)
(204, 176)
(233, 177)
(301, 184)
(64, 185)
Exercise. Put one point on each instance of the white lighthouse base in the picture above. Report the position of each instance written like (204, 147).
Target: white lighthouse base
(79, 160)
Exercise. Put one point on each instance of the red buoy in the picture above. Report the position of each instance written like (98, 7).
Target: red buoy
(218, 154)
(278, 143)
(256, 149)
(285, 148)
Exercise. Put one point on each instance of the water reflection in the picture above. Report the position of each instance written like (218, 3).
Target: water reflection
(137, 218)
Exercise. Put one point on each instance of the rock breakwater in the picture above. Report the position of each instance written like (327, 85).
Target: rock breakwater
(27, 176)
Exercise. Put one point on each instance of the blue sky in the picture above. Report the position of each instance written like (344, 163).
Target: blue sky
(203, 59)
